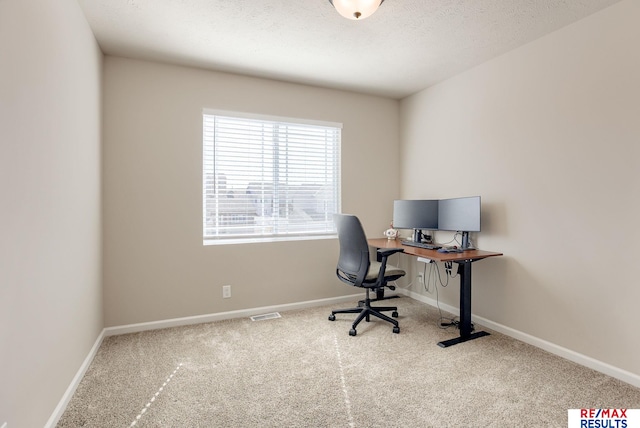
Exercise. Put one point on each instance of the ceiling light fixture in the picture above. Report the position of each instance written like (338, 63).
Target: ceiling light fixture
(356, 9)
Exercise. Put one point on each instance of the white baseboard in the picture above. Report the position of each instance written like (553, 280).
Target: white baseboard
(199, 319)
(592, 363)
(62, 405)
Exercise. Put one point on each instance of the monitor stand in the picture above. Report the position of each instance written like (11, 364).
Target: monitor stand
(465, 242)
(417, 235)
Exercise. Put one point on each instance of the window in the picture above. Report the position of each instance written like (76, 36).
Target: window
(268, 178)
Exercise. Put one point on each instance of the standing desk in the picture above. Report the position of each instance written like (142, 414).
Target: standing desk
(463, 260)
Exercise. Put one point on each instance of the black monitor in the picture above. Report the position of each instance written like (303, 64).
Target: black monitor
(460, 215)
(417, 214)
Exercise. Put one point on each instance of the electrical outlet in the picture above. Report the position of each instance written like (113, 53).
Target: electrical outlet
(226, 291)
(421, 278)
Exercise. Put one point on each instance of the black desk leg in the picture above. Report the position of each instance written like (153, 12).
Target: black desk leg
(464, 270)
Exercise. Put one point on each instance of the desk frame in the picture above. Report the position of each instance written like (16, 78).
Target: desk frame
(463, 260)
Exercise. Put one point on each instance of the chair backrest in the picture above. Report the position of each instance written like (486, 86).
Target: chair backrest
(353, 263)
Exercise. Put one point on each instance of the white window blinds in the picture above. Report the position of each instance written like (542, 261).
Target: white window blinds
(265, 178)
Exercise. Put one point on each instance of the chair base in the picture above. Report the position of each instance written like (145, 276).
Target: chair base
(379, 298)
(365, 312)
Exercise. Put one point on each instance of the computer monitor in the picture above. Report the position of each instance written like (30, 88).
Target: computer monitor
(461, 215)
(417, 214)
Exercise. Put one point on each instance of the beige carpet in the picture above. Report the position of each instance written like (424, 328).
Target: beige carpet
(302, 370)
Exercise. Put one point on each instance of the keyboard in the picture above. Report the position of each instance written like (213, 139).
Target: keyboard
(421, 245)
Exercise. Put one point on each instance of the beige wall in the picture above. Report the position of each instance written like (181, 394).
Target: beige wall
(548, 135)
(155, 266)
(50, 245)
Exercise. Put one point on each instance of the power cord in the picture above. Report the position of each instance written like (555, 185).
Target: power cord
(435, 275)
(395, 283)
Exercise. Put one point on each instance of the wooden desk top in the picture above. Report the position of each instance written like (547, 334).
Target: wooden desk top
(432, 254)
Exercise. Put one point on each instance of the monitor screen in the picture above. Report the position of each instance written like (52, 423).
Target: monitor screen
(459, 214)
(415, 214)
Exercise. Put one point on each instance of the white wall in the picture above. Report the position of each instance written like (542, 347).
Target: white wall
(548, 135)
(50, 245)
(155, 266)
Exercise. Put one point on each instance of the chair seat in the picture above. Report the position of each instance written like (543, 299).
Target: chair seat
(374, 269)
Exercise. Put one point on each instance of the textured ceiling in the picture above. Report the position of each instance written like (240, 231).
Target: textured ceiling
(406, 46)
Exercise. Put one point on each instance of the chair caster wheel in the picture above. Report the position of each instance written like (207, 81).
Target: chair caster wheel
(396, 329)
(394, 314)
(332, 317)
(352, 332)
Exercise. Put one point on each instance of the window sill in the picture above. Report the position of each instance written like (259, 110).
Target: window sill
(207, 242)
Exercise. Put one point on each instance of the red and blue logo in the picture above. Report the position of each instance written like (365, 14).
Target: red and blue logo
(604, 418)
